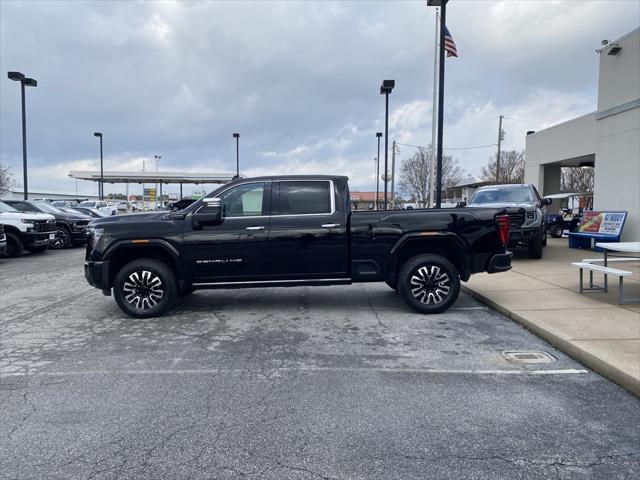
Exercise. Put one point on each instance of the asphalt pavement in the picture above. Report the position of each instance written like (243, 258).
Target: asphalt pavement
(291, 383)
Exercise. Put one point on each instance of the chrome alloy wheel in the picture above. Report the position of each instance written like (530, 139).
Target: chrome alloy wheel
(61, 239)
(430, 285)
(143, 290)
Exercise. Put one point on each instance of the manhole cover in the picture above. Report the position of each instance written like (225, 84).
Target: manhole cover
(530, 357)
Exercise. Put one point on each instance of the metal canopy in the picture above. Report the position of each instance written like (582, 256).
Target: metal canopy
(153, 177)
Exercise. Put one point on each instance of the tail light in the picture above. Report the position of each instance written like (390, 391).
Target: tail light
(502, 224)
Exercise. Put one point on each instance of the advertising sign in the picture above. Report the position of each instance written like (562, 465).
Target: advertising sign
(603, 222)
(150, 194)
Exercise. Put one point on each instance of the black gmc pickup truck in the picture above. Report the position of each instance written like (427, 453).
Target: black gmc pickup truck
(291, 231)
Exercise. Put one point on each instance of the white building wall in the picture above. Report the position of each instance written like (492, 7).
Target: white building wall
(617, 182)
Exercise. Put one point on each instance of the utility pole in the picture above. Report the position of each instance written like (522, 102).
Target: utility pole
(393, 174)
(434, 113)
(500, 139)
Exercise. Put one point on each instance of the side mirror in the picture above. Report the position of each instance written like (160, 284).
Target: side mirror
(461, 204)
(546, 201)
(209, 213)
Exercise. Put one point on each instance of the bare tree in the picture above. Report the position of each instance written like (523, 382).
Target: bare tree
(6, 178)
(414, 174)
(576, 179)
(511, 168)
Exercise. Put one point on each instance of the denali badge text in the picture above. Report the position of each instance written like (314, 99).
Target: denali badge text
(220, 260)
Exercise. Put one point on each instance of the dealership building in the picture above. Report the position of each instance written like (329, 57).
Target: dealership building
(607, 140)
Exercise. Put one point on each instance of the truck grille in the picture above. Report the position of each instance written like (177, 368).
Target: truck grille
(44, 226)
(516, 219)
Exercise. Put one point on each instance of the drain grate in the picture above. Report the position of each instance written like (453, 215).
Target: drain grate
(528, 357)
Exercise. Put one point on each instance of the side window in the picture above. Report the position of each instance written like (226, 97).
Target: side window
(244, 200)
(304, 198)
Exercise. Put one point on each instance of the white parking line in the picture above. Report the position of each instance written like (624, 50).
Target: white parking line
(268, 372)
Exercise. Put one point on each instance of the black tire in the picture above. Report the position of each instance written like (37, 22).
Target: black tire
(535, 249)
(422, 286)
(63, 238)
(391, 286)
(544, 239)
(145, 280)
(39, 249)
(14, 245)
(555, 231)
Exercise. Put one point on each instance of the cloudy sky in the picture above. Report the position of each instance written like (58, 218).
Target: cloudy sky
(299, 80)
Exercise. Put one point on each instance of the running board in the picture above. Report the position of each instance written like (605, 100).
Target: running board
(275, 283)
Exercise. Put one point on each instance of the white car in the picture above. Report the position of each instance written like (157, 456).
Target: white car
(31, 231)
(100, 205)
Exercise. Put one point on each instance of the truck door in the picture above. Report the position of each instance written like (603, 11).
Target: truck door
(308, 231)
(236, 249)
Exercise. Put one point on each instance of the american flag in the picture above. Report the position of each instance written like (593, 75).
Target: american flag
(449, 44)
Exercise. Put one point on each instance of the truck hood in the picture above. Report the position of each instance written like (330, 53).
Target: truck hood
(502, 205)
(18, 216)
(133, 218)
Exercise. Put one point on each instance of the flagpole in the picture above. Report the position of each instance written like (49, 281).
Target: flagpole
(434, 114)
(443, 25)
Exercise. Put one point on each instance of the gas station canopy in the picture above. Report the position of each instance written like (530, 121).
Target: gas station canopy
(152, 177)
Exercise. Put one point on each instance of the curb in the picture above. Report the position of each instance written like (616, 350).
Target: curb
(566, 346)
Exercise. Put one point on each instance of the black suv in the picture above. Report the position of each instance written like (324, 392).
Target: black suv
(71, 227)
(526, 210)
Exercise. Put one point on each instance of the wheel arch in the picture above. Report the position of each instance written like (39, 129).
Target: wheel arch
(125, 251)
(446, 244)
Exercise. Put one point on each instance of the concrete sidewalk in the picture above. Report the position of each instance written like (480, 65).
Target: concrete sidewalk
(543, 296)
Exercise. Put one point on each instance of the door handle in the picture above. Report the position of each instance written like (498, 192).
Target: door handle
(254, 228)
(330, 225)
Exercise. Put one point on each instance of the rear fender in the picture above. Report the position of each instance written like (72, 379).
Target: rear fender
(447, 244)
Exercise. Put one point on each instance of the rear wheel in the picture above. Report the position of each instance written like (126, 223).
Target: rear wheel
(391, 286)
(145, 288)
(429, 283)
(555, 231)
(14, 245)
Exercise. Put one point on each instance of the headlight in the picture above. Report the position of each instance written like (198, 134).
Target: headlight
(78, 226)
(28, 222)
(531, 217)
(95, 234)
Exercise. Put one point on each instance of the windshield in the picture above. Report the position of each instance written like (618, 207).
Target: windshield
(503, 195)
(4, 208)
(45, 207)
(88, 204)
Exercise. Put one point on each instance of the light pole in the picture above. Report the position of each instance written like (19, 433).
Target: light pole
(28, 82)
(158, 157)
(378, 136)
(101, 189)
(385, 89)
(500, 139)
(443, 23)
(237, 137)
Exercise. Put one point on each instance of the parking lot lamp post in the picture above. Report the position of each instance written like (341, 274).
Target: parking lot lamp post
(378, 136)
(158, 157)
(101, 189)
(28, 82)
(237, 137)
(385, 89)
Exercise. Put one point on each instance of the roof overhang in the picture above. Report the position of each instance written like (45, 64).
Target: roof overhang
(152, 177)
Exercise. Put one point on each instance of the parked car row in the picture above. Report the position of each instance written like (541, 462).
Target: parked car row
(36, 226)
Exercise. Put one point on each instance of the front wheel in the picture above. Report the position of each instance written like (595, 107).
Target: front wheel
(145, 288)
(429, 283)
(63, 238)
(535, 249)
(14, 245)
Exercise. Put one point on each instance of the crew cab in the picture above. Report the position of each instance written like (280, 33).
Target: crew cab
(30, 231)
(71, 227)
(291, 231)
